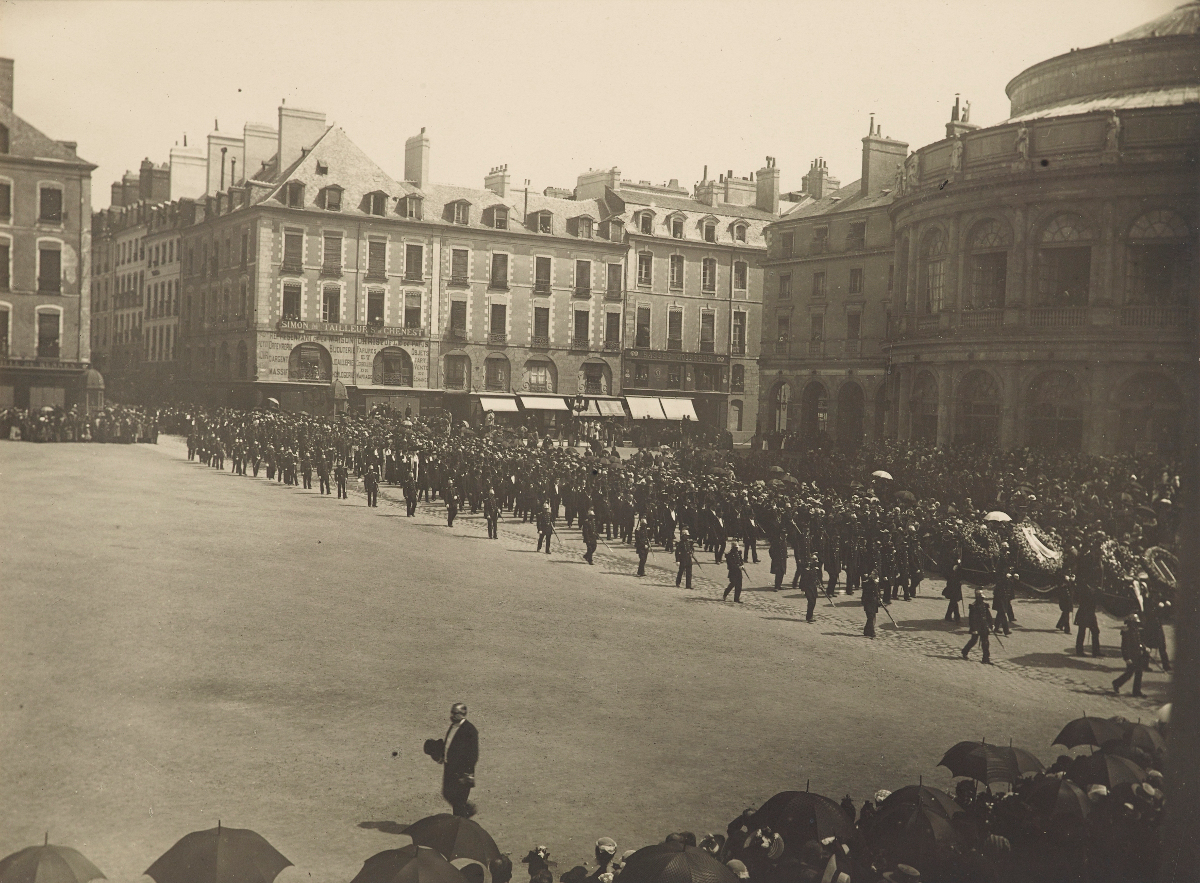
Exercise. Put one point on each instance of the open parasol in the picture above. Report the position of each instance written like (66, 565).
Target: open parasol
(879, 473)
(997, 516)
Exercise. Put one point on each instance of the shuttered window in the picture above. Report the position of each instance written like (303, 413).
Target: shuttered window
(51, 211)
(377, 257)
(458, 315)
(332, 259)
(499, 271)
(49, 270)
(458, 265)
(414, 263)
(293, 248)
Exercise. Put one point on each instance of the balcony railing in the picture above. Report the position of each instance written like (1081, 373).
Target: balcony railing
(928, 323)
(642, 342)
(820, 245)
(455, 381)
(675, 344)
(539, 342)
(981, 319)
(456, 333)
(855, 244)
(495, 339)
(781, 347)
(496, 384)
(580, 343)
(853, 349)
(414, 276)
(541, 386)
(1147, 316)
(309, 373)
(1058, 317)
(387, 378)
(327, 270)
(816, 349)
(292, 267)
(593, 386)
(612, 346)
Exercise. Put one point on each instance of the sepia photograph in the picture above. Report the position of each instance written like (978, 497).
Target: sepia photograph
(595, 441)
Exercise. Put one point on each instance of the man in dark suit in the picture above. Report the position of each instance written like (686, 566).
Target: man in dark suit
(459, 756)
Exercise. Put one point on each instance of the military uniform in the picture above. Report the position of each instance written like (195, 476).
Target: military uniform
(684, 554)
(591, 534)
(733, 562)
(980, 620)
(545, 527)
(641, 542)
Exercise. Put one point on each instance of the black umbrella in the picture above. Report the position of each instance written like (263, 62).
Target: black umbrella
(1108, 770)
(906, 497)
(1089, 731)
(454, 837)
(409, 864)
(219, 855)
(922, 795)
(912, 833)
(674, 863)
(800, 816)
(1148, 739)
(990, 763)
(1056, 797)
(47, 864)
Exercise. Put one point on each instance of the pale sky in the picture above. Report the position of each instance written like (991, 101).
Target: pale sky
(551, 88)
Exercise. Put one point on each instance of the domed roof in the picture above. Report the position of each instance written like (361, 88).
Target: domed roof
(93, 379)
(1182, 20)
(339, 391)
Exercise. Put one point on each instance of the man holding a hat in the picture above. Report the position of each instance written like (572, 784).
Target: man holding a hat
(980, 620)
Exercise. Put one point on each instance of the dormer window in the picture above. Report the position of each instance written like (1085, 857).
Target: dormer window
(542, 222)
(615, 230)
(585, 228)
(677, 227)
(376, 203)
(710, 231)
(322, 168)
(293, 194)
(646, 223)
(331, 198)
(411, 207)
(500, 217)
(739, 233)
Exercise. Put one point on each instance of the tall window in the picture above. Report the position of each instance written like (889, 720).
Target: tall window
(739, 233)
(987, 266)
(458, 266)
(677, 228)
(377, 258)
(785, 286)
(585, 228)
(499, 271)
(4, 315)
(612, 328)
(500, 218)
(462, 213)
(741, 275)
(545, 222)
(541, 326)
(787, 244)
(582, 330)
(677, 271)
(738, 334)
(291, 302)
(1159, 267)
(5, 200)
(293, 194)
(375, 298)
(642, 332)
(818, 286)
(5, 254)
(50, 207)
(931, 275)
(498, 322)
(541, 274)
(853, 326)
(856, 280)
(458, 318)
(615, 278)
(48, 327)
(583, 277)
(675, 330)
(414, 263)
(331, 304)
(856, 237)
(707, 331)
(817, 327)
(710, 232)
(456, 372)
(49, 269)
(539, 377)
(708, 275)
(1064, 263)
(735, 415)
(331, 261)
(645, 265)
(377, 203)
(412, 309)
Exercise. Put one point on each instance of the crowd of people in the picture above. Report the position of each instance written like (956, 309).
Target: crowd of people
(53, 423)
(1097, 531)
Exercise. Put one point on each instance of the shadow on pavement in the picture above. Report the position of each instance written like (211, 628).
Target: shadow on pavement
(385, 827)
(1060, 660)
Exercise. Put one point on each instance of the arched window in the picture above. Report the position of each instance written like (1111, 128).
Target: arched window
(781, 401)
(924, 408)
(310, 361)
(814, 409)
(1151, 410)
(1064, 262)
(392, 367)
(987, 265)
(978, 409)
(1160, 261)
(1055, 412)
(932, 272)
(495, 370)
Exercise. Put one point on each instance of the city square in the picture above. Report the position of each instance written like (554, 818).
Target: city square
(204, 646)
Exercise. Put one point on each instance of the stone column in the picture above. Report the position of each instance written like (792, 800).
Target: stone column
(1102, 290)
(1019, 278)
(951, 301)
(1010, 404)
(945, 379)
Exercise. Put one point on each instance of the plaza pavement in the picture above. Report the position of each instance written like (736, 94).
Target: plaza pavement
(180, 645)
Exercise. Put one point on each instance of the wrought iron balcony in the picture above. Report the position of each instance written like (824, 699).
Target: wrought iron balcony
(612, 346)
(539, 342)
(500, 339)
(580, 343)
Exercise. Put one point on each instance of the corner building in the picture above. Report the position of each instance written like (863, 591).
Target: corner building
(1048, 264)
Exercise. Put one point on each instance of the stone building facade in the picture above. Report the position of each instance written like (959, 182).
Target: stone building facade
(45, 265)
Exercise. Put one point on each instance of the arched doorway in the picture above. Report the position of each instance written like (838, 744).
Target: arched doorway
(814, 409)
(310, 361)
(978, 410)
(1160, 261)
(595, 378)
(1055, 412)
(1151, 410)
(924, 408)
(781, 400)
(850, 408)
(456, 371)
(392, 367)
(541, 375)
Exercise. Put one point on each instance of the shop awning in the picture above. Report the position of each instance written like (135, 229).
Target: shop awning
(610, 408)
(543, 403)
(495, 403)
(644, 408)
(679, 409)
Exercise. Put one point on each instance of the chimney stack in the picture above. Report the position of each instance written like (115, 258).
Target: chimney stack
(767, 188)
(416, 159)
(6, 82)
(818, 183)
(298, 130)
(880, 157)
(497, 180)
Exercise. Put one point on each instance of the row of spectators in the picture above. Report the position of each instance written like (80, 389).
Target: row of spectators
(116, 423)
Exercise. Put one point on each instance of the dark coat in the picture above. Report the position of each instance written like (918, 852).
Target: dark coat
(979, 617)
(464, 751)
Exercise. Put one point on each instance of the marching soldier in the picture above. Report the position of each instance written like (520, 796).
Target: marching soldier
(545, 527)
(410, 494)
(323, 474)
(591, 534)
(733, 562)
(777, 550)
(980, 620)
(450, 493)
(685, 555)
(810, 584)
(870, 601)
(371, 483)
(339, 475)
(491, 514)
(1135, 654)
